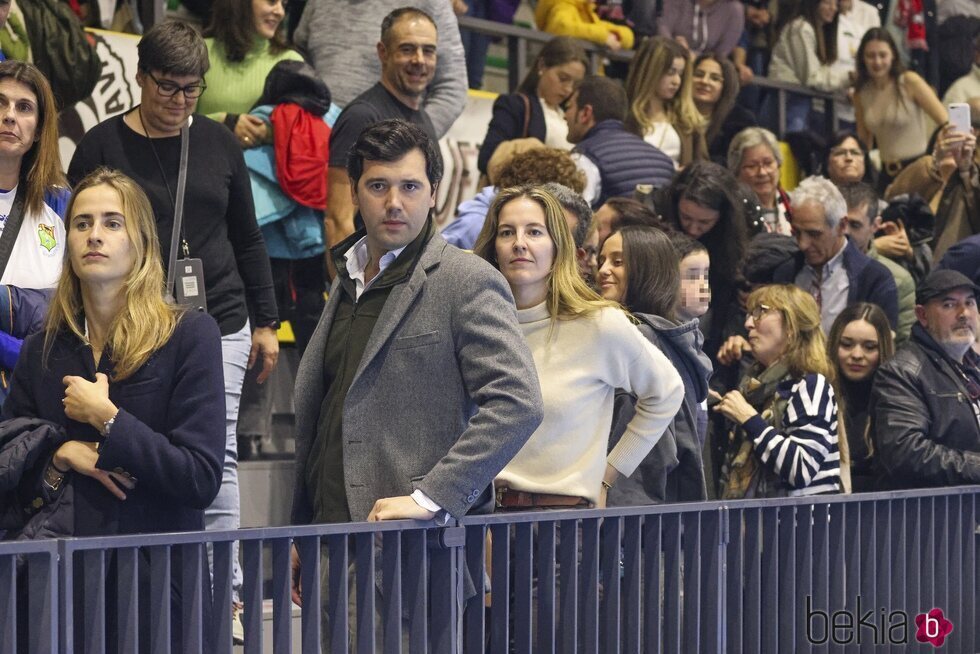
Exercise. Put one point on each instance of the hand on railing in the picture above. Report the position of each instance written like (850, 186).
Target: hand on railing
(402, 507)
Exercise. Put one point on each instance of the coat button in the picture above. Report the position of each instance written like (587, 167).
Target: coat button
(118, 470)
(37, 503)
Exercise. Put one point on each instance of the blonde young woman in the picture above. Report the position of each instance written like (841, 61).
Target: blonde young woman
(784, 439)
(584, 348)
(130, 386)
(662, 108)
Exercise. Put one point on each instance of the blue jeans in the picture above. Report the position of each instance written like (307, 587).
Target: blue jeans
(224, 513)
(475, 45)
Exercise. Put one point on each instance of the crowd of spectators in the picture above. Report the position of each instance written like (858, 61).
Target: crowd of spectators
(638, 306)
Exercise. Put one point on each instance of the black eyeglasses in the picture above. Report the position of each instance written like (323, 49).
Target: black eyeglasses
(169, 89)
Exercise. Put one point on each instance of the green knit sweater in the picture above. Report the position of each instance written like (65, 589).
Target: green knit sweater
(233, 87)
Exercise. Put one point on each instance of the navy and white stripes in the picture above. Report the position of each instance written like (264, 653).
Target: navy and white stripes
(804, 453)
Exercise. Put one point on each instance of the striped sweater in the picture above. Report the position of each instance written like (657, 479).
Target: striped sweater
(803, 453)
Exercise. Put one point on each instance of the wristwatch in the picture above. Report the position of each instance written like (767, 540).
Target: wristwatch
(107, 425)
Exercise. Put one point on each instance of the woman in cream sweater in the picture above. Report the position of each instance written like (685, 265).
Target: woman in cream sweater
(584, 348)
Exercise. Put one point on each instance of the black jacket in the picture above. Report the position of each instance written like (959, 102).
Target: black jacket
(925, 429)
(869, 281)
(28, 509)
(507, 124)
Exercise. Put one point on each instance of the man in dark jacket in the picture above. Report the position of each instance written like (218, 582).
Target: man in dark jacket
(925, 403)
(830, 267)
(22, 312)
(613, 159)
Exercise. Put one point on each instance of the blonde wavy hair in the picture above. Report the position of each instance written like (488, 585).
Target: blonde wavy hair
(652, 61)
(806, 347)
(147, 321)
(568, 295)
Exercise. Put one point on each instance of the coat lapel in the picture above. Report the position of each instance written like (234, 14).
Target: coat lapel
(399, 301)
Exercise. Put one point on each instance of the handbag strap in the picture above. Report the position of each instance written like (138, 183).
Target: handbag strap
(12, 227)
(527, 115)
(178, 207)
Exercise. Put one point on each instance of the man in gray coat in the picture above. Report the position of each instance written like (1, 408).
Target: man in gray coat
(417, 386)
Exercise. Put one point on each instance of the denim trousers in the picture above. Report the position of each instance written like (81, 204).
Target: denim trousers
(224, 512)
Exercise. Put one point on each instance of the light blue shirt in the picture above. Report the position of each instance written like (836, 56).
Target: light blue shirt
(834, 286)
(357, 260)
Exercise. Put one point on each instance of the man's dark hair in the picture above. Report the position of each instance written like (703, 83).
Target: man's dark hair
(396, 15)
(173, 48)
(390, 140)
(859, 193)
(606, 96)
(573, 202)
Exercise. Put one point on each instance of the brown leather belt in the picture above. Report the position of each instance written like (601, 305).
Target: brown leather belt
(512, 499)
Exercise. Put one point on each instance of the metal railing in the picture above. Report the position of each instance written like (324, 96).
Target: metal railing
(518, 62)
(746, 576)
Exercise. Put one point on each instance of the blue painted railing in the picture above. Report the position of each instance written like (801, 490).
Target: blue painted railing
(746, 576)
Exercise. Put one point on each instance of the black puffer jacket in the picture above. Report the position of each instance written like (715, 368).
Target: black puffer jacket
(925, 428)
(28, 508)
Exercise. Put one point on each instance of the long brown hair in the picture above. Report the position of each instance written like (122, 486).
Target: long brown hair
(652, 61)
(556, 52)
(883, 35)
(147, 321)
(233, 28)
(40, 168)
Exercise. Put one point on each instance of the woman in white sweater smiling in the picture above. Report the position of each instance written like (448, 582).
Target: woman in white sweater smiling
(584, 348)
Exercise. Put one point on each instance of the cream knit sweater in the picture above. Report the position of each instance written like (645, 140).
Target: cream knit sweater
(579, 368)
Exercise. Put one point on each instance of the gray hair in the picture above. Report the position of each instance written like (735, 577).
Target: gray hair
(173, 48)
(573, 202)
(823, 192)
(750, 137)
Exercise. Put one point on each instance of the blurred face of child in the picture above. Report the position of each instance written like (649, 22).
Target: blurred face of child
(670, 83)
(695, 293)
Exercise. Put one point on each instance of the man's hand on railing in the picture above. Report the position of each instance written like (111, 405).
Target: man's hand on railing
(402, 507)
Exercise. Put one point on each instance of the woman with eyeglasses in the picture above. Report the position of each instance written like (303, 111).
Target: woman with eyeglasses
(754, 158)
(219, 234)
(783, 415)
(847, 160)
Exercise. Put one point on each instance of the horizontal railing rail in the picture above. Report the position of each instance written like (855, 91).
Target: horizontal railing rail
(764, 575)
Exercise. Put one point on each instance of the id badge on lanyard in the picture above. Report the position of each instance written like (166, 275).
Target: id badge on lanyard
(189, 288)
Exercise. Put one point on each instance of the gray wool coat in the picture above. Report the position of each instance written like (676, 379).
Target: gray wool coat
(445, 395)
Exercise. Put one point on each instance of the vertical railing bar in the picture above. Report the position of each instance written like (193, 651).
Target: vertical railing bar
(589, 603)
(364, 580)
(941, 523)
(66, 585)
(884, 539)
(971, 537)
(193, 563)
(474, 634)
(714, 540)
(523, 556)
(928, 562)
(825, 523)
(94, 608)
(787, 571)
(752, 556)
(805, 516)
(610, 551)
(338, 569)
(500, 547)
(691, 584)
(282, 613)
(445, 589)
(8, 603)
(735, 580)
(127, 599)
(417, 591)
(672, 583)
(632, 582)
(771, 556)
(160, 605)
(899, 550)
(547, 599)
(252, 576)
(841, 558)
(308, 548)
(391, 601)
(868, 596)
(652, 583)
(954, 517)
(568, 594)
(222, 597)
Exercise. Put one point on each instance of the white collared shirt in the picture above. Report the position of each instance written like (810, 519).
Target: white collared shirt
(833, 287)
(357, 260)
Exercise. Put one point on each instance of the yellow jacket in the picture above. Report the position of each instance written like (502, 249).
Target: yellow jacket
(578, 18)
